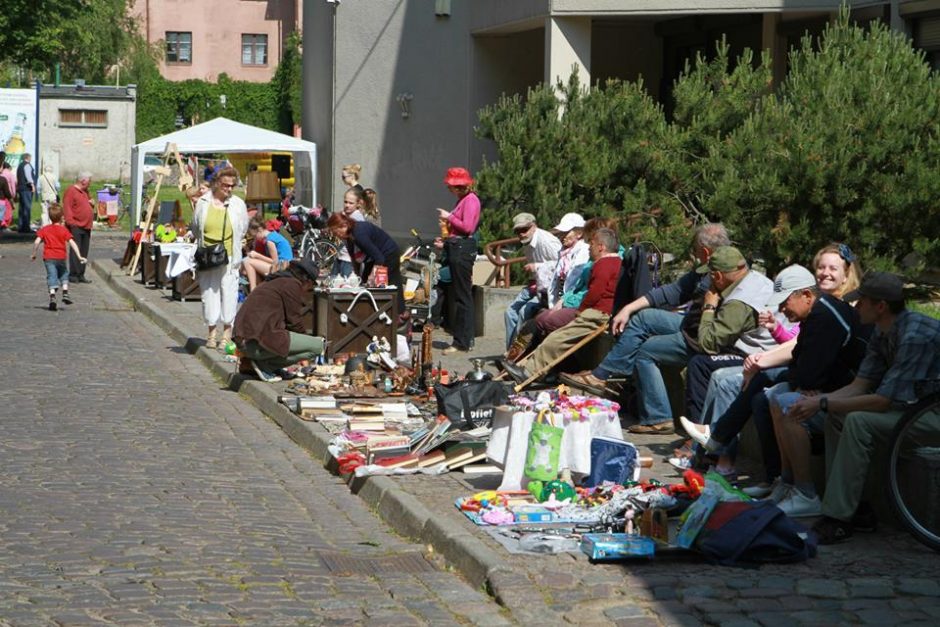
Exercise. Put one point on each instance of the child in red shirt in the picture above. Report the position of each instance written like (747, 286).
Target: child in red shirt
(56, 237)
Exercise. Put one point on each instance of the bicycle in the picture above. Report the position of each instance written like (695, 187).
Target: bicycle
(914, 466)
(311, 241)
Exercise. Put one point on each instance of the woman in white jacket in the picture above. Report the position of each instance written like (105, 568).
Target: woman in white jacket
(220, 216)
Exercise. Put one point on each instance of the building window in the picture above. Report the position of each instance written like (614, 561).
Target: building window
(179, 48)
(254, 49)
(87, 118)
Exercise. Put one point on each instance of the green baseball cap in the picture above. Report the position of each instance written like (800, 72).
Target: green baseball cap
(724, 259)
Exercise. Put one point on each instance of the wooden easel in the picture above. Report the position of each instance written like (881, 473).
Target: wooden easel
(185, 182)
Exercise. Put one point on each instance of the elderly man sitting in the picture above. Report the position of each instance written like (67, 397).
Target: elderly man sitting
(654, 338)
(541, 250)
(593, 312)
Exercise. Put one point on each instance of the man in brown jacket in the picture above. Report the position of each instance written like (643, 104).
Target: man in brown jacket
(269, 326)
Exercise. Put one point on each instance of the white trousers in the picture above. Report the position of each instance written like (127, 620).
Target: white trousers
(219, 294)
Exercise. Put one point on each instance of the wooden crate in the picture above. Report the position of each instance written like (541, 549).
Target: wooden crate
(362, 321)
(186, 287)
(153, 266)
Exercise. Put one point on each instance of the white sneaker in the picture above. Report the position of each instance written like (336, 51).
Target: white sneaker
(779, 490)
(681, 463)
(759, 491)
(798, 505)
(699, 433)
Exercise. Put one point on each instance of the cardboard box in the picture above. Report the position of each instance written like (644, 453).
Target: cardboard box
(615, 546)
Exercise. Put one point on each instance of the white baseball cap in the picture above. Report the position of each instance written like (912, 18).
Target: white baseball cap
(570, 221)
(789, 280)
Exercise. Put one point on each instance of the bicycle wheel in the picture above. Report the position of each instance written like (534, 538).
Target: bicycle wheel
(914, 470)
(322, 253)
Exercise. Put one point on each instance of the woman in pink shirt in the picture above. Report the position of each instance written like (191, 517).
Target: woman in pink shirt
(460, 249)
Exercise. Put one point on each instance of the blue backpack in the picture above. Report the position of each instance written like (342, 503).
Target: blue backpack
(755, 532)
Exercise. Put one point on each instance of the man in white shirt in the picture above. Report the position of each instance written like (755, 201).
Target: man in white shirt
(541, 249)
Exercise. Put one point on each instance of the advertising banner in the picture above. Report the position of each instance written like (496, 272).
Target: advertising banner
(17, 124)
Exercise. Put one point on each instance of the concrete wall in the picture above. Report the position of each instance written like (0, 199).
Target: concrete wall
(317, 100)
(387, 48)
(217, 29)
(502, 64)
(105, 152)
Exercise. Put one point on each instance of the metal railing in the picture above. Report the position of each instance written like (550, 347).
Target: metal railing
(494, 252)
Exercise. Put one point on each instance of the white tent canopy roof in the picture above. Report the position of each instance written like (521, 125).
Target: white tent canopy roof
(222, 135)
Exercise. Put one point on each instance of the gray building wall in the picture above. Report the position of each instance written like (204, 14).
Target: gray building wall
(105, 152)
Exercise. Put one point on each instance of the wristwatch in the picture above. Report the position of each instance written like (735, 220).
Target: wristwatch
(708, 307)
(823, 404)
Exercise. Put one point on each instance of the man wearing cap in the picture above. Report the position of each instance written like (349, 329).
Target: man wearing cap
(828, 349)
(270, 329)
(541, 250)
(904, 349)
(721, 317)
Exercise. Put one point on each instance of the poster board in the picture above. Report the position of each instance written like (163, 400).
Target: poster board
(18, 124)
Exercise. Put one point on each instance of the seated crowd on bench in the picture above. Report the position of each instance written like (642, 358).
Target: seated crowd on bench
(818, 351)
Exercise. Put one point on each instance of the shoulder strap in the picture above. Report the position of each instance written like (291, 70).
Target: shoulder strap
(845, 325)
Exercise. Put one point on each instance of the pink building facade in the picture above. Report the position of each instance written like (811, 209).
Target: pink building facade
(202, 39)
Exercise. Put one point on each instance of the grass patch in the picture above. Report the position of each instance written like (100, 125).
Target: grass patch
(928, 309)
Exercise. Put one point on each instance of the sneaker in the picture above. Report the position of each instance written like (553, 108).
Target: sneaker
(699, 433)
(453, 348)
(728, 474)
(681, 463)
(759, 491)
(66, 299)
(779, 490)
(798, 505)
(264, 375)
(832, 530)
(53, 305)
(211, 342)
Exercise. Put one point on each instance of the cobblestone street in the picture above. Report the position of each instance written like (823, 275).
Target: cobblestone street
(135, 490)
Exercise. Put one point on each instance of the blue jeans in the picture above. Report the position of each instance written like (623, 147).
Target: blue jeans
(521, 309)
(651, 339)
(57, 273)
(344, 268)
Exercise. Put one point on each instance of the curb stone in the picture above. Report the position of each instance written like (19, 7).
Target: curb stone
(475, 561)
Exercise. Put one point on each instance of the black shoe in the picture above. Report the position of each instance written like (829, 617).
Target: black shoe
(66, 299)
(84, 280)
(865, 519)
(832, 530)
(53, 305)
(517, 372)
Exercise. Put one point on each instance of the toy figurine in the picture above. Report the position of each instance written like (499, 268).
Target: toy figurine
(629, 514)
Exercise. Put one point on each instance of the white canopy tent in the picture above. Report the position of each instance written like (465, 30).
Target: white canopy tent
(222, 135)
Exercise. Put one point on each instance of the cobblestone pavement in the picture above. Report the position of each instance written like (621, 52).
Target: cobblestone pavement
(135, 490)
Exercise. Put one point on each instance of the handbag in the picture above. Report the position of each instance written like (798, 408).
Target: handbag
(612, 460)
(213, 256)
(541, 459)
(471, 404)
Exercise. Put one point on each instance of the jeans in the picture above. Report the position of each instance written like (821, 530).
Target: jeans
(341, 268)
(652, 338)
(26, 209)
(752, 401)
(57, 274)
(699, 374)
(521, 309)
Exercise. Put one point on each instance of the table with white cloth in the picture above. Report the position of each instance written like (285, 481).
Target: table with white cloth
(182, 258)
(510, 440)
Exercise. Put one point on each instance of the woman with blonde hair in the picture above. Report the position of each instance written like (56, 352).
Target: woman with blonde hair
(350, 176)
